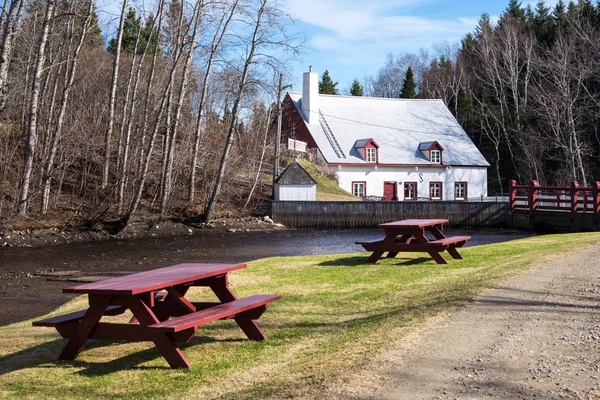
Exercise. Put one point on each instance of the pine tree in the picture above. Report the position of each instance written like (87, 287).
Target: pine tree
(326, 85)
(515, 10)
(356, 89)
(409, 86)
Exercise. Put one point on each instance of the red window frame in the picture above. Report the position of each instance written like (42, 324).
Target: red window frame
(364, 185)
(416, 190)
(466, 191)
(441, 191)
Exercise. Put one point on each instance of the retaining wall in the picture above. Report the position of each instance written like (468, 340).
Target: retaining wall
(367, 214)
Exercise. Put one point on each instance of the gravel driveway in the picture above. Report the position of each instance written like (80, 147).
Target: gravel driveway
(535, 337)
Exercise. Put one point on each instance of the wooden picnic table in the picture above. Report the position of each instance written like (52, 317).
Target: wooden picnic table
(410, 235)
(161, 313)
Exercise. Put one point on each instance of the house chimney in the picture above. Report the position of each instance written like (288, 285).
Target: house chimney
(310, 96)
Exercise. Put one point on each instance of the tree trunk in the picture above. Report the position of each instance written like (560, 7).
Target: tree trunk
(11, 25)
(234, 114)
(262, 158)
(33, 115)
(48, 169)
(112, 97)
(216, 44)
(180, 99)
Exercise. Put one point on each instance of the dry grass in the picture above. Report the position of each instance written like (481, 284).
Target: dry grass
(337, 314)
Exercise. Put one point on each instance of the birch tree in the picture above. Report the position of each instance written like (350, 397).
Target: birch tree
(32, 138)
(112, 97)
(70, 80)
(214, 48)
(9, 22)
(256, 37)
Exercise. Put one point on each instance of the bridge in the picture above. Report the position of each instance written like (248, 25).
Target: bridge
(555, 208)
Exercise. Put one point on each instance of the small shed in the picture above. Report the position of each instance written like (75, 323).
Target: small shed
(295, 184)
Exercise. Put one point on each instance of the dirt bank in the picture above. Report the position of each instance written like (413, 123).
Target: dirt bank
(140, 229)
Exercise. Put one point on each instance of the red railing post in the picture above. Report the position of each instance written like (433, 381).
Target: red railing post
(532, 196)
(512, 195)
(596, 199)
(574, 191)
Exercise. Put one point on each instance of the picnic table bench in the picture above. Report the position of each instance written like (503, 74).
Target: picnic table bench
(161, 313)
(410, 235)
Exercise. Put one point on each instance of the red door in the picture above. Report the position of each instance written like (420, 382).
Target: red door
(390, 191)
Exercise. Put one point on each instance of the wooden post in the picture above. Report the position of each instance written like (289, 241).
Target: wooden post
(532, 196)
(574, 190)
(512, 195)
(596, 199)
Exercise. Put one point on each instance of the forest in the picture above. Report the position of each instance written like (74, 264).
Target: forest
(526, 88)
(172, 117)
(173, 114)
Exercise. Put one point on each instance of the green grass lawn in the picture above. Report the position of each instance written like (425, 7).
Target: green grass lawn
(337, 314)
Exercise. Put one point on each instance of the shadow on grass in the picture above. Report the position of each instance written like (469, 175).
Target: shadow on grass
(47, 353)
(361, 261)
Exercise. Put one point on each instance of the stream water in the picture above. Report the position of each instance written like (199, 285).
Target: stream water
(26, 294)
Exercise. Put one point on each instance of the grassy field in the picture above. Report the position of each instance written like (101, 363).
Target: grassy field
(337, 316)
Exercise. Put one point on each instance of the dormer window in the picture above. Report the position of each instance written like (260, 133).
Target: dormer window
(432, 151)
(368, 149)
(371, 154)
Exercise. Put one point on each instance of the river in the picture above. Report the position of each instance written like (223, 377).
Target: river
(26, 294)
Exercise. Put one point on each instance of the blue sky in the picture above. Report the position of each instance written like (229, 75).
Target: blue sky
(351, 38)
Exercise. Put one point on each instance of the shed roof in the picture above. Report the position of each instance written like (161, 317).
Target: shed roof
(399, 126)
(294, 174)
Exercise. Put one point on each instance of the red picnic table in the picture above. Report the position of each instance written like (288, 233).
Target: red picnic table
(410, 235)
(161, 313)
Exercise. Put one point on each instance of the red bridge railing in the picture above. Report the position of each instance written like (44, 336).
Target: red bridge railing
(573, 199)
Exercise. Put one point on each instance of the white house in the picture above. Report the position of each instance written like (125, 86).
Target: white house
(397, 149)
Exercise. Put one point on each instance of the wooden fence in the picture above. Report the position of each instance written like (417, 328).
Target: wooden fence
(367, 214)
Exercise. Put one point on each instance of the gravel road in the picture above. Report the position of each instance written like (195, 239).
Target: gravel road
(535, 337)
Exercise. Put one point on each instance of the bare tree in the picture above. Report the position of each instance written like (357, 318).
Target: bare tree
(112, 97)
(167, 185)
(10, 22)
(70, 80)
(214, 47)
(234, 112)
(33, 114)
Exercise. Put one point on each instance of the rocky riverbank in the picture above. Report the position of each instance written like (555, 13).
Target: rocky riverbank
(140, 229)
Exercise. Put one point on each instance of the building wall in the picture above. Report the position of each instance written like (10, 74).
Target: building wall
(295, 192)
(476, 178)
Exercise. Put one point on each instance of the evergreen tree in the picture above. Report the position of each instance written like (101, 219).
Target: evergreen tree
(93, 37)
(133, 28)
(326, 85)
(515, 10)
(542, 24)
(409, 86)
(356, 89)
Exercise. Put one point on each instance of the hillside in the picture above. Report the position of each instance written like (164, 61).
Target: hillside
(327, 187)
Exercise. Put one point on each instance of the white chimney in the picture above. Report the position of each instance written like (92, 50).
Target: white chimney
(310, 96)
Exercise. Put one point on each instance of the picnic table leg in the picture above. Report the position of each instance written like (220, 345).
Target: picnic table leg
(98, 305)
(454, 253)
(403, 239)
(220, 287)
(421, 238)
(436, 231)
(437, 257)
(165, 345)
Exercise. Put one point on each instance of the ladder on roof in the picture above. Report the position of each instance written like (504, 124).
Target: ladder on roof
(330, 136)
